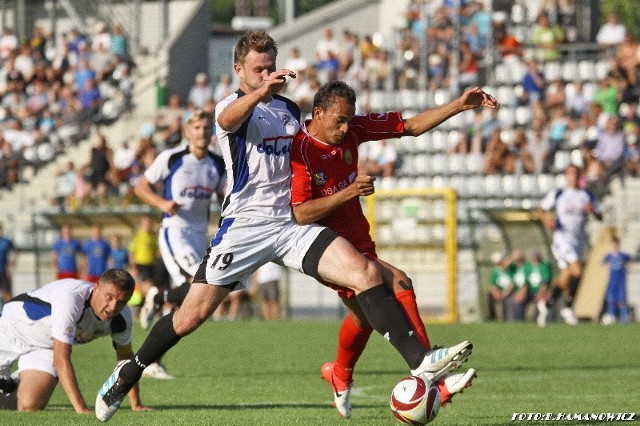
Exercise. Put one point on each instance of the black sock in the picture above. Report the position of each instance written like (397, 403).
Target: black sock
(573, 286)
(161, 338)
(386, 317)
(176, 295)
(160, 298)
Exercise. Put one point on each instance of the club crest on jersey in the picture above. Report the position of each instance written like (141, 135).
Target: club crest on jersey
(348, 158)
(319, 178)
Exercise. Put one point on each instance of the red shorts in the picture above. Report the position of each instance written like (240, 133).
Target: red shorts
(69, 274)
(344, 292)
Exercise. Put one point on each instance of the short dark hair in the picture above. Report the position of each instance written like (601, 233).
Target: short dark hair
(258, 40)
(329, 91)
(120, 278)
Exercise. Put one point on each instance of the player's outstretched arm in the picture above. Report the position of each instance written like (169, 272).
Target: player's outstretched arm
(473, 97)
(67, 375)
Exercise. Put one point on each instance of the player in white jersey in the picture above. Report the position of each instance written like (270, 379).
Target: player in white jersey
(255, 130)
(189, 176)
(38, 330)
(572, 206)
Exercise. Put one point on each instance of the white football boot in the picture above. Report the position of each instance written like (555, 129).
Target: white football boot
(148, 309)
(111, 394)
(438, 362)
(452, 384)
(155, 370)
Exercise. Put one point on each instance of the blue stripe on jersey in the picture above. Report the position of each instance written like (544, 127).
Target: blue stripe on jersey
(36, 311)
(224, 227)
(239, 163)
(218, 163)
(175, 161)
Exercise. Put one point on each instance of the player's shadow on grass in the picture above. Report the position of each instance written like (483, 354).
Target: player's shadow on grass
(257, 406)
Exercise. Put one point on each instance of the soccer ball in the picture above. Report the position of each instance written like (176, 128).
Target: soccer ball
(415, 401)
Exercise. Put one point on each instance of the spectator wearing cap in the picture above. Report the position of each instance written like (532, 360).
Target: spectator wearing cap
(200, 92)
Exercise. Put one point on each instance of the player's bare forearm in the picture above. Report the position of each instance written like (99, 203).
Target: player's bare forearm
(67, 376)
(313, 210)
(473, 97)
(145, 192)
(238, 111)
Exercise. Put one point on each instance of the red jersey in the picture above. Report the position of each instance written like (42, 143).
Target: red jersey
(320, 169)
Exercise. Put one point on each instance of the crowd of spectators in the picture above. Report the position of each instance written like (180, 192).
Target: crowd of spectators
(561, 116)
(53, 90)
(549, 117)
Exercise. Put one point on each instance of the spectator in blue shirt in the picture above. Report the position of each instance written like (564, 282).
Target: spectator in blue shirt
(97, 252)
(64, 255)
(119, 255)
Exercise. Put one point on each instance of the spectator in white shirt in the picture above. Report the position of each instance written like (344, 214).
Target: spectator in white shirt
(612, 32)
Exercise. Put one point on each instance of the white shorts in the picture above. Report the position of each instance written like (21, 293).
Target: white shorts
(29, 357)
(243, 245)
(567, 250)
(182, 250)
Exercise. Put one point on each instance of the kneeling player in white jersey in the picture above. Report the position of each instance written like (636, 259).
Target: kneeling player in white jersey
(38, 330)
(189, 175)
(572, 207)
(255, 131)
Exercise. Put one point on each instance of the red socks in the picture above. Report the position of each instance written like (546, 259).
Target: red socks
(351, 343)
(407, 301)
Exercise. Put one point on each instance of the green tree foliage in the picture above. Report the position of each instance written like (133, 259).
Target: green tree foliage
(628, 12)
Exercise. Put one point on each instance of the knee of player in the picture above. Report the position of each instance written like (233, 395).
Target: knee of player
(188, 321)
(30, 403)
(371, 273)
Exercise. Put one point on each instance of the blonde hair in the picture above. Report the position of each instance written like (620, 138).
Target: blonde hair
(199, 114)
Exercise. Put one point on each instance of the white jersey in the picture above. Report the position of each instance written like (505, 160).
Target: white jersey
(256, 154)
(60, 310)
(190, 182)
(570, 204)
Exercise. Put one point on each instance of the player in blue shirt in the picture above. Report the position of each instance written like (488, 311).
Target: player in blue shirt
(97, 252)
(64, 255)
(616, 296)
(119, 255)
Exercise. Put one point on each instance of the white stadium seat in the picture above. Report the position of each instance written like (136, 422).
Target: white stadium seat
(510, 185)
(602, 68)
(546, 183)
(552, 71)
(493, 185)
(569, 71)
(587, 71)
(456, 163)
(474, 162)
(528, 185)
(561, 160)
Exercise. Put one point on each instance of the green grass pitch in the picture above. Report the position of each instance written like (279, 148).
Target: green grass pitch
(260, 373)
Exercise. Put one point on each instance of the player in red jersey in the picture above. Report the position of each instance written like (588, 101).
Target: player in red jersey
(325, 188)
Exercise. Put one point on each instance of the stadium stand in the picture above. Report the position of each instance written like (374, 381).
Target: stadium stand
(429, 160)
